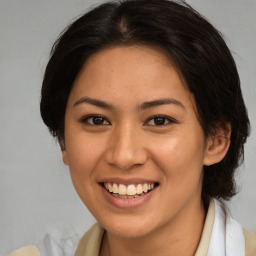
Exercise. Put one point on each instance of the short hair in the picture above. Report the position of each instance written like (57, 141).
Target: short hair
(195, 47)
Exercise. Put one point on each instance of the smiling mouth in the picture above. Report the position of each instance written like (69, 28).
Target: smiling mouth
(129, 191)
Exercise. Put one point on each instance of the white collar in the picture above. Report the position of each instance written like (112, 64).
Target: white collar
(227, 237)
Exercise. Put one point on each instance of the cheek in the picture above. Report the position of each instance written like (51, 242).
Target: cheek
(83, 154)
(180, 158)
(178, 150)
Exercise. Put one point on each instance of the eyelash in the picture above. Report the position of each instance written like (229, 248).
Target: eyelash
(167, 119)
(93, 117)
(87, 118)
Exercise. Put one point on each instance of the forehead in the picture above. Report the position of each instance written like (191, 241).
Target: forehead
(127, 74)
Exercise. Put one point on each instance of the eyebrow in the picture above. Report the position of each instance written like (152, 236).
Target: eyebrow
(143, 106)
(155, 103)
(95, 102)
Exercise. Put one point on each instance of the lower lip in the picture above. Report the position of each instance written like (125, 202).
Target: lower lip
(127, 203)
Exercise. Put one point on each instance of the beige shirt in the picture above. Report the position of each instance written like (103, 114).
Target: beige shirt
(90, 243)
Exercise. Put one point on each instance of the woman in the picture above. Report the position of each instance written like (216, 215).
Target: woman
(145, 100)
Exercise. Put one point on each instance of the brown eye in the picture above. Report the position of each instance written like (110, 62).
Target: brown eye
(159, 121)
(95, 120)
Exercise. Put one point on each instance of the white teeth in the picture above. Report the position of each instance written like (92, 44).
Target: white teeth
(145, 188)
(122, 189)
(110, 187)
(115, 188)
(139, 189)
(129, 191)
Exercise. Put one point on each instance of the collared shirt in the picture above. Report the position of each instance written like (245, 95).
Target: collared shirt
(90, 243)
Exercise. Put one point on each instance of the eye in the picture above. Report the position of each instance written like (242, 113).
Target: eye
(95, 120)
(159, 120)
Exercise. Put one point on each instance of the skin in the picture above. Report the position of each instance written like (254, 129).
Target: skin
(129, 145)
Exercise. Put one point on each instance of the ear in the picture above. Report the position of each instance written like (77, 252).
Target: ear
(217, 145)
(64, 152)
(65, 157)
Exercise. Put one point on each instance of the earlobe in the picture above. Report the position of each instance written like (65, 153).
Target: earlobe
(217, 145)
(64, 152)
(64, 157)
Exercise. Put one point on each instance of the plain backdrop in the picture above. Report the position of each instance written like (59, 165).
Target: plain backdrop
(36, 194)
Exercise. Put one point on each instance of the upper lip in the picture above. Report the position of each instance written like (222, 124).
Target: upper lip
(118, 180)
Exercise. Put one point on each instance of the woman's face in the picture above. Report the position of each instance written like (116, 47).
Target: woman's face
(131, 126)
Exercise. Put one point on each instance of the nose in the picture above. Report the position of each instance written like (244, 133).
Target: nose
(126, 148)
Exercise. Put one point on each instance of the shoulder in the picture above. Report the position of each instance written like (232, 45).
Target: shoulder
(250, 243)
(55, 243)
(31, 250)
(91, 241)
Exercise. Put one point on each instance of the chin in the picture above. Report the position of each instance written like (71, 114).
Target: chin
(129, 228)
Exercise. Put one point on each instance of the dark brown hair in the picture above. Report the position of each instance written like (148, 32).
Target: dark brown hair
(190, 41)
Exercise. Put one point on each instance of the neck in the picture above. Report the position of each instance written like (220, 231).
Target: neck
(180, 237)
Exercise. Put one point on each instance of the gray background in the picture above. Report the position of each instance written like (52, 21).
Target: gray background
(36, 194)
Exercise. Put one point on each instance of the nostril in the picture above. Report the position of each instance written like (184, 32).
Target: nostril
(126, 155)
